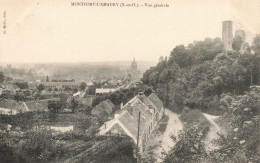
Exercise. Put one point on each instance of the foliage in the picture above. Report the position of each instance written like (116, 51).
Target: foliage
(22, 85)
(112, 149)
(19, 97)
(24, 120)
(41, 87)
(2, 77)
(241, 144)
(190, 146)
(122, 96)
(237, 43)
(74, 104)
(6, 152)
(82, 86)
(201, 74)
(40, 145)
(54, 106)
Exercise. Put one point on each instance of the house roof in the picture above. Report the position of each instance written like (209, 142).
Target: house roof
(60, 83)
(40, 105)
(157, 102)
(106, 106)
(86, 101)
(105, 90)
(37, 106)
(146, 101)
(5, 103)
(128, 119)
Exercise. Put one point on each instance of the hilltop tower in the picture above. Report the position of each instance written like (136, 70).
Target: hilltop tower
(227, 34)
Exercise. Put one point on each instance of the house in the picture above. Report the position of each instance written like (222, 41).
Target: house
(86, 101)
(7, 111)
(29, 106)
(147, 110)
(79, 94)
(61, 85)
(127, 86)
(104, 90)
(10, 87)
(103, 110)
(8, 104)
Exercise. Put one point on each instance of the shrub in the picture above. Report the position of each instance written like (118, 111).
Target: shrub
(40, 146)
(190, 146)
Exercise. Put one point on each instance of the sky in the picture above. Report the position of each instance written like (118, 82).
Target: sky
(55, 31)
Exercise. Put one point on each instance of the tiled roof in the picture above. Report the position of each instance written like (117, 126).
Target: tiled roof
(106, 106)
(157, 102)
(40, 105)
(146, 101)
(37, 106)
(129, 118)
(86, 101)
(9, 104)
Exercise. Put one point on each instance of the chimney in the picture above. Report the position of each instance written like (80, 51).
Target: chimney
(121, 105)
(140, 95)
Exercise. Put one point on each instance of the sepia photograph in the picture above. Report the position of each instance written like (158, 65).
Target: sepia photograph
(129, 81)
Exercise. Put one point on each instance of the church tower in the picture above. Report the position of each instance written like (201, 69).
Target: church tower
(134, 65)
(133, 72)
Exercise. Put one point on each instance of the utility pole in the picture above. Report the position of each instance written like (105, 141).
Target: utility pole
(138, 129)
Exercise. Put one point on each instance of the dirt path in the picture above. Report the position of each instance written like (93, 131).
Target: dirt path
(213, 133)
(173, 127)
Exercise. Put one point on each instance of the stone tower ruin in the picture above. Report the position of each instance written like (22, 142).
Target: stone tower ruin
(227, 34)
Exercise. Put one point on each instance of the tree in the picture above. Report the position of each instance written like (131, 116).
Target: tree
(2, 77)
(241, 144)
(74, 104)
(22, 85)
(75, 90)
(19, 97)
(47, 78)
(82, 86)
(41, 87)
(40, 146)
(237, 43)
(54, 106)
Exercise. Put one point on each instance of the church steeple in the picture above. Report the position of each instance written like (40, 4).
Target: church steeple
(134, 65)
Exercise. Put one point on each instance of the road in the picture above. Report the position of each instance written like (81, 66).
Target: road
(213, 133)
(173, 127)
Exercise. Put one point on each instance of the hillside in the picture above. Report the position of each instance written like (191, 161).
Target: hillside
(216, 94)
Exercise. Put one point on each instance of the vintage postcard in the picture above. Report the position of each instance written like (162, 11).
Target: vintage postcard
(103, 81)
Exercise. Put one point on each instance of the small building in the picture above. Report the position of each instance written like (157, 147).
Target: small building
(126, 119)
(10, 87)
(100, 91)
(37, 105)
(7, 103)
(103, 110)
(61, 85)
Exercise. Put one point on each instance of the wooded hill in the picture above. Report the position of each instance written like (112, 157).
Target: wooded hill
(202, 73)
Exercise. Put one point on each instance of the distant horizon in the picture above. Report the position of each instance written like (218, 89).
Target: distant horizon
(80, 62)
